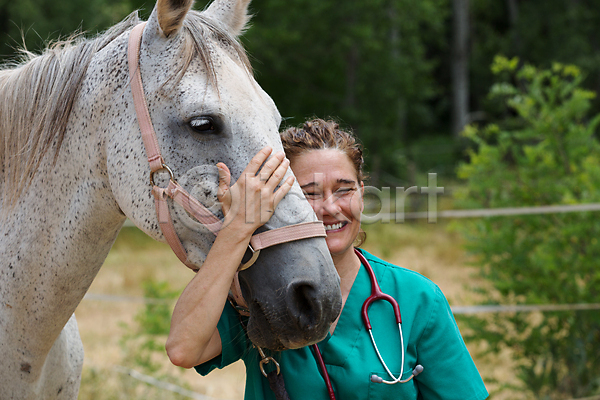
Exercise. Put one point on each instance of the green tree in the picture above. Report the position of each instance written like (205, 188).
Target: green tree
(544, 152)
(539, 32)
(33, 23)
(368, 63)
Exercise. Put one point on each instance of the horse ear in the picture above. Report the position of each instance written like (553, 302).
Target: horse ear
(171, 13)
(233, 14)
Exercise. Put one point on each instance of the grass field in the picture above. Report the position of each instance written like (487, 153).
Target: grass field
(108, 329)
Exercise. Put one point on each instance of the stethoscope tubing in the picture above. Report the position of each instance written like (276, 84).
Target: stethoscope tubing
(376, 294)
(321, 363)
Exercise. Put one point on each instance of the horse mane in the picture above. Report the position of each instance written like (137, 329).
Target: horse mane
(37, 94)
(36, 99)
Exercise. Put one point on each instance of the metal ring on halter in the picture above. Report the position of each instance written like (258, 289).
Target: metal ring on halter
(252, 260)
(266, 360)
(162, 168)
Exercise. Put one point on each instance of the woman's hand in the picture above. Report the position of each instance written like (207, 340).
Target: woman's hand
(251, 201)
(248, 204)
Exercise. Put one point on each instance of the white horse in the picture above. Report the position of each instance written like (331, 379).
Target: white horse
(74, 168)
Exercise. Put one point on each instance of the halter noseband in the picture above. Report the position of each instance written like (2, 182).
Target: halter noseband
(178, 194)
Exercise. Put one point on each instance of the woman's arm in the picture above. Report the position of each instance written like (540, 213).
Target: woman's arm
(193, 338)
(449, 371)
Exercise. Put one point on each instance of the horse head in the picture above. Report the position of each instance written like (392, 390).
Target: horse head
(206, 107)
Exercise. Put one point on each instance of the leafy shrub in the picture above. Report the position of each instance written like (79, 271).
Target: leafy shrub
(544, 152)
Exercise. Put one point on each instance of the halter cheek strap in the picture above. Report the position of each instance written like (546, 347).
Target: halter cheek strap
(178, 194)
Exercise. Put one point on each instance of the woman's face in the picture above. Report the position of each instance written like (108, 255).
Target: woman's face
(329, 182)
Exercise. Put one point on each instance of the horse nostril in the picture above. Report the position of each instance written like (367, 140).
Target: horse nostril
(303, 305)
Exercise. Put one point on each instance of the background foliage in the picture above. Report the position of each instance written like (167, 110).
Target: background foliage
(380, 66)
(368, 63)
(543, 152)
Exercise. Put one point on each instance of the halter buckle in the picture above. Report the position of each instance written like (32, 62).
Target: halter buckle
(163, 167)
(252, 260)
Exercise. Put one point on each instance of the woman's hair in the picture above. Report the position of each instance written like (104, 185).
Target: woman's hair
(318, 134)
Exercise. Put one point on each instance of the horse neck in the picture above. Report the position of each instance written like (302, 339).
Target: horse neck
(56, 238)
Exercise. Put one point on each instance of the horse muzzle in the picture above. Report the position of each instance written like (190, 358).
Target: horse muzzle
(293, 294)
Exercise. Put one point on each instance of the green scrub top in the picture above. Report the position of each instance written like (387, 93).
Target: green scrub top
(431, 338)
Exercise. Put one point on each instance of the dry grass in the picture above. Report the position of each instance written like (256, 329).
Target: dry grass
(428, 249)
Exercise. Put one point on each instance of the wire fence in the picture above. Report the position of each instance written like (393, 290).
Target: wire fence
(475, 309)
(509, 211)
(161, 384)
(473, 213)
(498, 308)
(400, 216)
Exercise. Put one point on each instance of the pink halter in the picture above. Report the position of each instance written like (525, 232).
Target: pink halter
(179, 194)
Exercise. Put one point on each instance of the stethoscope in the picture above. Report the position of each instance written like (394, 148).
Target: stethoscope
(376, 294)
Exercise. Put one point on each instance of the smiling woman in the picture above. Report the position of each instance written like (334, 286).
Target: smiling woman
(431, 360)
(329, 171)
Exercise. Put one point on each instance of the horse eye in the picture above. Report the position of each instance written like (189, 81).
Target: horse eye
(203, 125)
